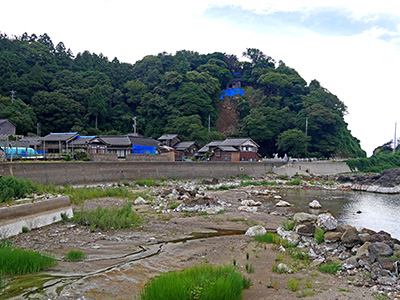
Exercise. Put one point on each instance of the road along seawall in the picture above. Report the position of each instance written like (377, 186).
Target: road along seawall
(95, 172)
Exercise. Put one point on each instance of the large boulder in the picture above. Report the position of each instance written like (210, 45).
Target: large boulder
(332, 236)
(315, 204)
(379, 249)
(327, 222)
(350, 238)
(256, 230)
(306, 229)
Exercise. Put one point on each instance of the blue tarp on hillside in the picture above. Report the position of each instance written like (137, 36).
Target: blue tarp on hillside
(231, 93)
(137, 149)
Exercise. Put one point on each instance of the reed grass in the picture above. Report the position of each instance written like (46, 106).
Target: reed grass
(108, 218)
(204, 282)
(15, 261)
(269, 238)
(75, 255)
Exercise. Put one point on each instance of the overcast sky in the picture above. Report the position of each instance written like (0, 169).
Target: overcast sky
(351, 47)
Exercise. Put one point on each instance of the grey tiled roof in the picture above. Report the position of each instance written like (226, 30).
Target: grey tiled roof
(167, 137)
(116, 140)
(236, 141)
(55, 137)
(141, 140)
(184, 145)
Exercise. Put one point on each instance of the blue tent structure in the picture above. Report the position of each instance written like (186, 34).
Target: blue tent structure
(19, 152)
(138, 149)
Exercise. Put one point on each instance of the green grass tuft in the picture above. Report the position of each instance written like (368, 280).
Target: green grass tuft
(269, 238)
(319, 235)
(75, 255)
(15, 261)
(198, 282)
(108, 218)
(288, 224)
(330, 267)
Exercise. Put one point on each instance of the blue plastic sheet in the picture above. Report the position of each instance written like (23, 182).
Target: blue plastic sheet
(137, 149)
(231, 93)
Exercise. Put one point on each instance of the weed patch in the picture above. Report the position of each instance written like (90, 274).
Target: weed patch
(288, 224)
(75, 255)
(330, 267)
(15, 261)
(108, 218)
(269, 238)
(198, 282)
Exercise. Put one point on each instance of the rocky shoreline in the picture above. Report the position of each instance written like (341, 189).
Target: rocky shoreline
(388, 182)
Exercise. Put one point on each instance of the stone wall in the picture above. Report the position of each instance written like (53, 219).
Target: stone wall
(103, 156)
(145, 157)
(92, 172)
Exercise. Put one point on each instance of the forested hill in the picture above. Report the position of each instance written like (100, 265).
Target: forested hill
(168, 93)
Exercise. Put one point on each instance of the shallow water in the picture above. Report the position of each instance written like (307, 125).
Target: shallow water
(368, 210)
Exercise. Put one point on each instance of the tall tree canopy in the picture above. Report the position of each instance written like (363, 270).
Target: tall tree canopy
(169, 93)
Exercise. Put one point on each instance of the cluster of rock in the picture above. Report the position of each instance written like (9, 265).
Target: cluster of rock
(361, 250)
(386, 182)
(185, 199)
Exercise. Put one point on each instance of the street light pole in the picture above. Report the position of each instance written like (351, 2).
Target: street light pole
(306, 135)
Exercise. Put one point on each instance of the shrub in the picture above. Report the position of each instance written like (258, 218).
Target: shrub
(80, 154)
(288, 224)
(295, 181)
(319, 235)
(269, 237)
(15, 261)
(330, 267)
(146, 182)
(198, 282)
(12, 187)
(25, 229)
(108, 218)
(75, 255)
(293, 284)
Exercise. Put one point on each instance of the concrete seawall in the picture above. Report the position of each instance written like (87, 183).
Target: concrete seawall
(95, 172)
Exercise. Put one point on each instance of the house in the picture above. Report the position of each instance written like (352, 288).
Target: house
(119, 144)
(169, 140)
(7, 127)
(142, 144)
(57, 143)
(88, 144)
(248, 149)
(231, 149)
(186, 149)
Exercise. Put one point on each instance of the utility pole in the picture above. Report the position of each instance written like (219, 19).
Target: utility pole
(12, 95)
(306, 134)
(134, 125)
(395, 138)
(38, 129)
(209, 123)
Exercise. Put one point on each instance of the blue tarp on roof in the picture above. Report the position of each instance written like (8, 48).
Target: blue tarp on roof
(231, 93)
(137, 149)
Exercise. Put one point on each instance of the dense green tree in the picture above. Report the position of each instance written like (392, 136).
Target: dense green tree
(292, 142)
(97, 105)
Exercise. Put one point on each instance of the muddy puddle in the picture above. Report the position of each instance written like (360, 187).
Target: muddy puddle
(118, 276)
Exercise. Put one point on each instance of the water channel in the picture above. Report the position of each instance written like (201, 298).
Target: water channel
(361, 209)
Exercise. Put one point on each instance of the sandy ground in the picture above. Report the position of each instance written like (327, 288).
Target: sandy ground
(119, 263)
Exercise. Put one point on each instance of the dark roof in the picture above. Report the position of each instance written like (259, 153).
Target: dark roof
(32, 140)
(141, 140)
(82, 140)
(166, 137)
(116, 140)
(235, 142)
(64, 137)
(228, 148)
(2, 121)
(184, 145)
(210, 144)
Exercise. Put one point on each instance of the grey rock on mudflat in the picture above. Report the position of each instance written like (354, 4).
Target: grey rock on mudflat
(350, 263)
(304, 217)
(387, 263)
(386, 280)
(350, 238)
(255, 230)
(379, 249)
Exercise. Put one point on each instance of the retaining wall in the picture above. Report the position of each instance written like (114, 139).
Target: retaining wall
(315, 168)
(33, 215)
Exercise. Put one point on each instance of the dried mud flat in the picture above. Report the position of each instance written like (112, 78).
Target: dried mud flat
(119, 263)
